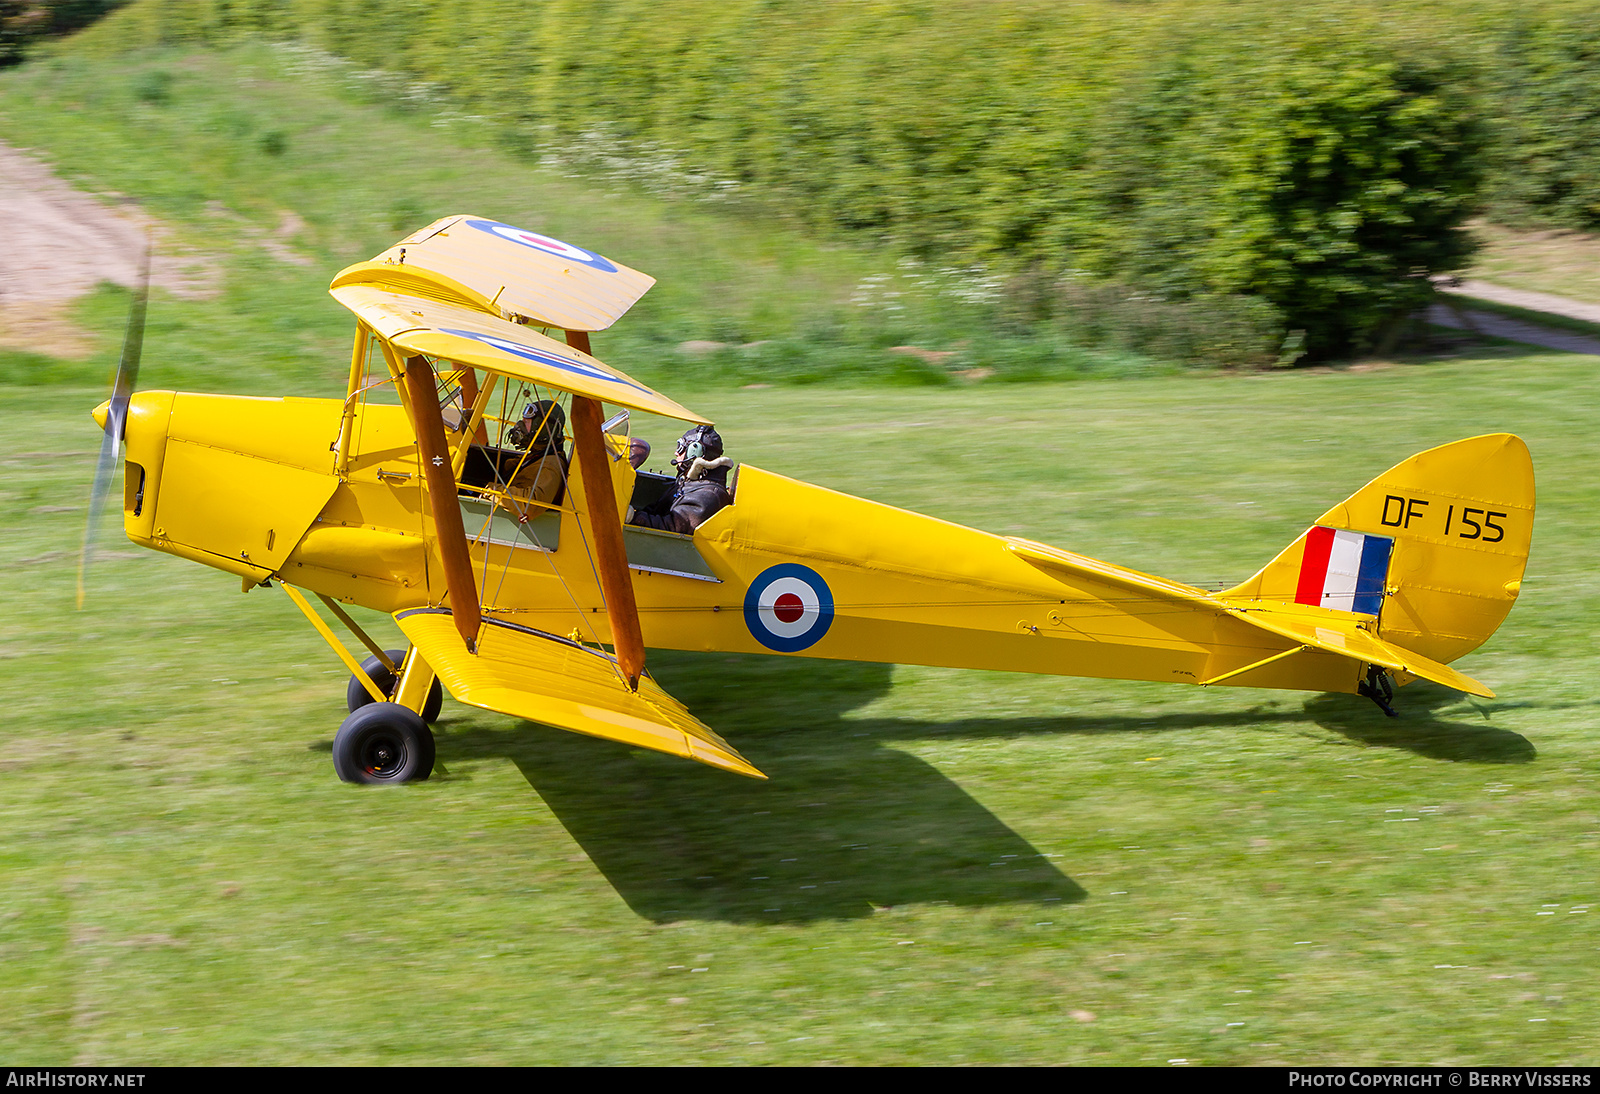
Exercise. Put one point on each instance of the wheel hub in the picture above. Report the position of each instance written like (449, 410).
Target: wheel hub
(383, 756)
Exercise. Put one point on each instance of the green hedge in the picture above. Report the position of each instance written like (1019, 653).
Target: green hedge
(1319, 158)
(1543, 81)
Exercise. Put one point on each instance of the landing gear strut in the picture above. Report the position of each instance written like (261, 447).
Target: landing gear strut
(357, 696)
(1379, 687)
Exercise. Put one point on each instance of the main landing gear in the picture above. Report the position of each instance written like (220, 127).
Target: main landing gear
(356, 696)
(385, 743)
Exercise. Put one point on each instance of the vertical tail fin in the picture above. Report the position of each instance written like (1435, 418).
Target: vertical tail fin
(1435, 547)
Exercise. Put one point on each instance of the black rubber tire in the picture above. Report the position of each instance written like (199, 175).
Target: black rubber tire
(383, 744)
(356, 696)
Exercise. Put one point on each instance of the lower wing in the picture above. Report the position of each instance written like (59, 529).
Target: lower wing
(545, 678)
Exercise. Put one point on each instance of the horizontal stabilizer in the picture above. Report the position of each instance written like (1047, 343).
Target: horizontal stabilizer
(1318, 628)
(1337, 632)
(544, 678)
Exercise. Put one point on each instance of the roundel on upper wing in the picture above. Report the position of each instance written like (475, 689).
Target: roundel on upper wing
(544, 243)
(788, 608)
(543, 357)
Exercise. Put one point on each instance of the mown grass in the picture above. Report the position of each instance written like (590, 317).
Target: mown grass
(946, 867)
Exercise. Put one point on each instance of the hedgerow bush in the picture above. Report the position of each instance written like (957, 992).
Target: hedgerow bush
(1543, 83)
(1293, 175)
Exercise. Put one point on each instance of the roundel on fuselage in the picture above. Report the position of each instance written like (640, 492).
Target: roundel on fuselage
(788, 608)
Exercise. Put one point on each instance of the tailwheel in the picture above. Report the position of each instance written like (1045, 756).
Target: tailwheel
(1379, 687)
(383, 743)
(356, 696)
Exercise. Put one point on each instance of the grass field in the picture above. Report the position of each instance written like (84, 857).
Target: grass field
(946, 867)
(1564, 263)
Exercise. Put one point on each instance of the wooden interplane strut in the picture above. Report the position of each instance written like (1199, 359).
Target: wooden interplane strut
(611, 555)
(451, 535)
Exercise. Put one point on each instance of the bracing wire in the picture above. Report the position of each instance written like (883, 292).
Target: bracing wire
(502, 481)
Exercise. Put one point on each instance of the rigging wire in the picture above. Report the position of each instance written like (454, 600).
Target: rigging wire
(595, 569)
(525, 527)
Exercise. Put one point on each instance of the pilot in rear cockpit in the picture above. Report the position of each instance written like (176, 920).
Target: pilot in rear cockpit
(537, 470)
(701, 489)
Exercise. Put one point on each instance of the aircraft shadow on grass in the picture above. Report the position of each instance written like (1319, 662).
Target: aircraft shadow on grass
(847, 825)
(1420, 728)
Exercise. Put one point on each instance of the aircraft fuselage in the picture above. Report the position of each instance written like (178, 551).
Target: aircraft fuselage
(249, 486)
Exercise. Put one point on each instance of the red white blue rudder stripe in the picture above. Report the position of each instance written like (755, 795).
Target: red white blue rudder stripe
(1344, 570)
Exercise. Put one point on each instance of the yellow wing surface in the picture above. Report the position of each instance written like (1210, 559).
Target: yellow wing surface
(544, 678)
(511, 272)
(471, 290)
(448, 330)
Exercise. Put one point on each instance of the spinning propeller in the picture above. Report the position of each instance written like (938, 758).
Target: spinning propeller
(116, 415)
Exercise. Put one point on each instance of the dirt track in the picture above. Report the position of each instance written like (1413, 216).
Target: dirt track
(60, 244)
(1522, 298)
(1463, 317)
(1513, 330)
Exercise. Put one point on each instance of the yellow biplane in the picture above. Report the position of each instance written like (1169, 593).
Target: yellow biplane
(403, 497)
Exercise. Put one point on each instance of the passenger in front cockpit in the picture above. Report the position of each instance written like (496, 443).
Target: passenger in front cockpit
(702, 487)
(539, 471)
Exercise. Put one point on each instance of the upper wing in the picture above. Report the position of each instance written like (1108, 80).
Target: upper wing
(513, 272)
(456, 331)
(530, 674)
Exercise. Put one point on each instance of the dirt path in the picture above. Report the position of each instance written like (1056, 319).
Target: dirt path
(60, 243)
(1522, 298)
(1515, 330)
